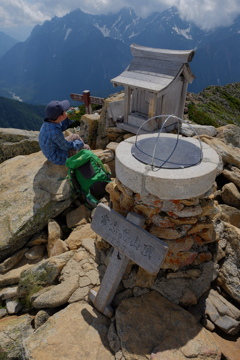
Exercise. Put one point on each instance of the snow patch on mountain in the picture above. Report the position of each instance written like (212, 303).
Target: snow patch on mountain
(104, 30)
(67, 33)
(133, 34)
(183, 32)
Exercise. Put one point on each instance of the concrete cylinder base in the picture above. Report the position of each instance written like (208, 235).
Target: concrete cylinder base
(181, 183)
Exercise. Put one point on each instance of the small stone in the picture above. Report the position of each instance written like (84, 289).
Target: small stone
(3, 312)
(148, 211)
(202, 257)
(12, 260)
(54, 233)
(35, 252)
(13, 306)
(58, 248)
(230, 195)
(8, 293)
(113, 339)
(41, 317)
(79, 216)
(189, 298)
(189, 211)
(39, 238)
(79, 294)
(208, 324)
(164, 233)
(178, 260)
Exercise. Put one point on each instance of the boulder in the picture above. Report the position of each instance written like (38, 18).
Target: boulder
(229, 214)
(222, 313)
(32, 191)
(229, 273)
(14, 142)
(77, 332)
(228, 154)
(229, 134)
(232, 175)
(13, 330)
(231, 195)
(151, 327)
(175, 288)
(193, 129)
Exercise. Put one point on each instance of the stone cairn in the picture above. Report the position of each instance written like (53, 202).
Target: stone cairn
(185, 225)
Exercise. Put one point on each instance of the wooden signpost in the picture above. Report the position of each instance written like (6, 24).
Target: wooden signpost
(130, 242)
(87, 99)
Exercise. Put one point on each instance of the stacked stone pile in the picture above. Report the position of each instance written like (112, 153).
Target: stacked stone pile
(185, 225)
(51, 259)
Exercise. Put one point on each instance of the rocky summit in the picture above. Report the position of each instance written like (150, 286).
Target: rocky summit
(51, 259)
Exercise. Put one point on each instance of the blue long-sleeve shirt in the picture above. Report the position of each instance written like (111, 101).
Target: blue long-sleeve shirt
(53, 144)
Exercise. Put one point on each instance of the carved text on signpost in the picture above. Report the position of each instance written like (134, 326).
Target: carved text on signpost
(130, 242)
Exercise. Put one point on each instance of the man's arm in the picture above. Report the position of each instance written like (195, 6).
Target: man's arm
(63, 144)
(65, 124)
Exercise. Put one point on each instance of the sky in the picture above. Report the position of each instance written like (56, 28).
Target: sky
(19, 17)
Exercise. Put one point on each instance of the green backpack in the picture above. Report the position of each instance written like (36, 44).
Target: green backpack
(88, 177)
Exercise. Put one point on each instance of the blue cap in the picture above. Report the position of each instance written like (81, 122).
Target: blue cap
(55, 108)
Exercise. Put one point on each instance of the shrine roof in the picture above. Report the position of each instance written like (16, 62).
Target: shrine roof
(154, 69)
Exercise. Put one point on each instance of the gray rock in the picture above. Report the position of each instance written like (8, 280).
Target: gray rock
(31, 192)
(3, 312)
(228, 154)
(12, 277)
(231, 195)
(208, 324)
(222, 313)
(58, 295)
(229, 214)
(223, 306)
(42, 275)
(150, 326)
(77, 332)
(229, 273)
(14, 142)
(229, 134)
(113, 339)
(12, 260)
(8, 293)
(41, 317)
(175, 288)
(194, 129)
(232, 175)
(35, 252)
(12, 332)
(13, 306)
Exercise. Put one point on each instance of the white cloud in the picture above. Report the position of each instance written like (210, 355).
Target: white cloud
(16, 12)
(207, 14)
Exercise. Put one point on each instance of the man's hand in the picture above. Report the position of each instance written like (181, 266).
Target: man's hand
(86, 146)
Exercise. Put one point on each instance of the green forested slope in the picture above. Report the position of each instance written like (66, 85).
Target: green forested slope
(18, 115)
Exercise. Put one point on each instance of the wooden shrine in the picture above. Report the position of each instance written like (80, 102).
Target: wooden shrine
(155, 83)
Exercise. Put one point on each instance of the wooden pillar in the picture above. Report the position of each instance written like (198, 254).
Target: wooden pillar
(182, 99)
(127, 103)
(152, 105)
(87, 103)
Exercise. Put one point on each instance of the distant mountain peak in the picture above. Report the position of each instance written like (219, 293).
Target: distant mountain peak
(83, 51)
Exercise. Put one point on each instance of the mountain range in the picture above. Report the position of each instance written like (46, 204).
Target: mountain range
(81, 51)
(6, 42)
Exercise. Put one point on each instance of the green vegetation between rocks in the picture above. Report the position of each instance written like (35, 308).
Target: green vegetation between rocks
(215, 105)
